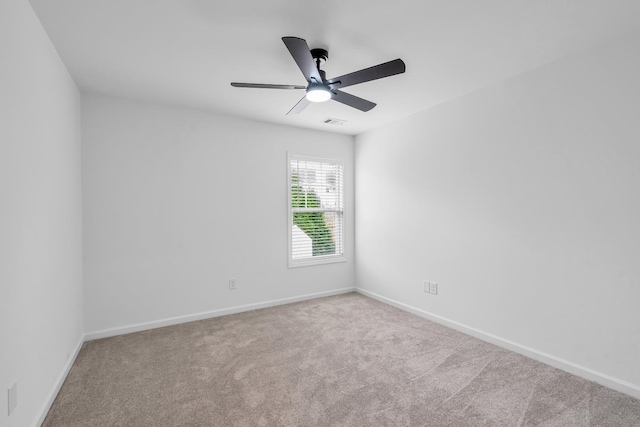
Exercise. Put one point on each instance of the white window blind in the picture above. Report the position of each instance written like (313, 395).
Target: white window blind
(315, 210)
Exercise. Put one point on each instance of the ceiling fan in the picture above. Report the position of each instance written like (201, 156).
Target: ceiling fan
(319, 88)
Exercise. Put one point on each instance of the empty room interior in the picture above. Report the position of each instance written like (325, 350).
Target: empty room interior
(354, 213)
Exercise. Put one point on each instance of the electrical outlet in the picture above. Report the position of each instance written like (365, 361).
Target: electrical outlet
(232, 284)
(430, 287)
(12, 397)
(433, 288)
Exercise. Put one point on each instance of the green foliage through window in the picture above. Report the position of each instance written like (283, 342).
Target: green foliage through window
(314, 224)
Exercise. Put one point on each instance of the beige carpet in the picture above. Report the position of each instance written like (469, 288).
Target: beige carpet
(339, 361)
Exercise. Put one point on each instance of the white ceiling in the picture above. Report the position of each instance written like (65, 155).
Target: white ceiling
(186, 52)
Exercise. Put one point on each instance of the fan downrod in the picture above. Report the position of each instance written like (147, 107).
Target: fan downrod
(320, 55)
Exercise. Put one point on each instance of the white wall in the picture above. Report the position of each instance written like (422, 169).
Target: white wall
(522, 201)
(178, 201)
(40, 214)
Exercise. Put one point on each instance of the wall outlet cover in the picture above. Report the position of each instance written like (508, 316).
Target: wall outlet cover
(13, 398)
(433, 288)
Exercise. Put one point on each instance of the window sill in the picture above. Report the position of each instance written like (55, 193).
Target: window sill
(318, 261)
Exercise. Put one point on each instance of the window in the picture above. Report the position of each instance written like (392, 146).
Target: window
(316, 231)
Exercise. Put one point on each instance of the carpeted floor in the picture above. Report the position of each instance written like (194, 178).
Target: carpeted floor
(346, 360)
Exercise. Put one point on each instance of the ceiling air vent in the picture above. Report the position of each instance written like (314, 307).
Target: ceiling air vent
(330, 121)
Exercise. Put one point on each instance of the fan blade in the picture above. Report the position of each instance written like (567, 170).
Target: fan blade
(387, 69)
(302, 55)
(301, 105)
(352, 100)
(266, 86)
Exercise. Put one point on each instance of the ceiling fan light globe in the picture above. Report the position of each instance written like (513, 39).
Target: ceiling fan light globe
(318, 94)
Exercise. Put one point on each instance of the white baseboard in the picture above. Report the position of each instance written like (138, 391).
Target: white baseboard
(208, 314)
(565, 365)
(59, 381)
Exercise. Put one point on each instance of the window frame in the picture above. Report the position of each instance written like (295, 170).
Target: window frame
(323, 259)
